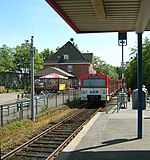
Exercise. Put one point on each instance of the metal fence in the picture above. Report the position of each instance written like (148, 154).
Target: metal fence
(119, 101)
(22, 107)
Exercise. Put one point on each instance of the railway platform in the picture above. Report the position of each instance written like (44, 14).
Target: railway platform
(111, 136)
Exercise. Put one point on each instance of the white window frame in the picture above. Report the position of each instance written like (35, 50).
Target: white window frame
(66, 56)
(69, 68)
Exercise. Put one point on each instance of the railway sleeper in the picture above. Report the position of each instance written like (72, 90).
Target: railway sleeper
(23, 156)
(70, 127)
(48, 142)
(61, 135)
(53, 138)
(66, 127)
(56, 136)
(38, 149)
(53, 146)
(75, 125)
(66, 130)
(62, 132)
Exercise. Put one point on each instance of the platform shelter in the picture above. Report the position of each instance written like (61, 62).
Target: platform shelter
(100, 16)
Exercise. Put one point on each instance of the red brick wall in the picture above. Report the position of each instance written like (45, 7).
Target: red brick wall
(78, 69)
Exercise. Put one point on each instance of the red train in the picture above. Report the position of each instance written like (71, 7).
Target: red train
(98, 87)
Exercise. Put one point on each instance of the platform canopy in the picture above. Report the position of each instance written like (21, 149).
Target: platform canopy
(85, 16)
(53, 75)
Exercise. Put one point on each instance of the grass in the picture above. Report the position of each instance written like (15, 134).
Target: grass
(13, 129)
(18, 132)
(10, 90)
(14, 126)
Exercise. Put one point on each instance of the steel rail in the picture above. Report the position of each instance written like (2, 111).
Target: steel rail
(62, 146)
(11, 153)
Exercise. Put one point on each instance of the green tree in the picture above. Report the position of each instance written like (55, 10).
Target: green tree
(22, 59)
(119, 72)
(47, 54)
(99, 64)
(6, 59)
(131, 74)
(38, 61)
(146, 63)
(110, 70)
(102, 67)
(131, 71)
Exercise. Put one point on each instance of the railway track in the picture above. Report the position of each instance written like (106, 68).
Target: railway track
(50, 142)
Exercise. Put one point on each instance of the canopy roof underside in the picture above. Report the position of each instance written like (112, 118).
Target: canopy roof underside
(85, 16)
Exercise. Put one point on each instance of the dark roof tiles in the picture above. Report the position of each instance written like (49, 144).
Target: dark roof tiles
(75, 56)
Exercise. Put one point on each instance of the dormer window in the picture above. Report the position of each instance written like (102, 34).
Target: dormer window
(66, 57)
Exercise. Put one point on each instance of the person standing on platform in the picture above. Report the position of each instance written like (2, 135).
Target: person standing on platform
(129, 94)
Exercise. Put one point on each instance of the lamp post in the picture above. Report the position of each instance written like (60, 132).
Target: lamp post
(122, 41)
(32, 78)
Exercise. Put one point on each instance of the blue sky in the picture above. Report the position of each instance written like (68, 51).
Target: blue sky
(20, 19)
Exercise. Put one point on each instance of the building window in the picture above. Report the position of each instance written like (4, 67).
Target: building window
(69, 68)
(66, 56)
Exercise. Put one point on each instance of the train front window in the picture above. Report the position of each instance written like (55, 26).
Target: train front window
(94, 83)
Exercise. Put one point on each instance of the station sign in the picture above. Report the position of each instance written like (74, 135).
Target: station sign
(123, 64)
(122, 38)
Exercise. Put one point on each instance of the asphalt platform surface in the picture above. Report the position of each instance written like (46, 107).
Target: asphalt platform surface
(111, 136)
